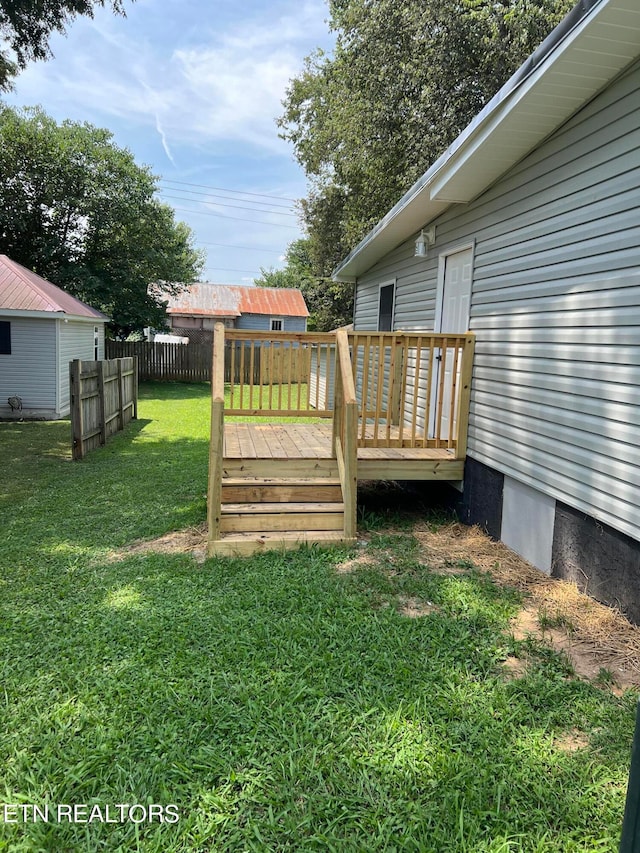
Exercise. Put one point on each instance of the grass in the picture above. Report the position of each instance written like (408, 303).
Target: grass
(280, 704)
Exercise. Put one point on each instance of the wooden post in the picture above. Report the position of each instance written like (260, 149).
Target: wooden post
(102, 415)
(75, 387)
(216, 446)
(397, 367)
(120, 394)
(135, 387)
(349, 437)
(338, 412)
(466, 374)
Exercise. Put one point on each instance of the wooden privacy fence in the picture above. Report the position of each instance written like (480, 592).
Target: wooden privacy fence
(246, 362)
(104, 399)
(165, 362)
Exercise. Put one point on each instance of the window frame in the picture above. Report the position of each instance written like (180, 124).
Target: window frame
(383, 286)
(5, 337)
(279, 320)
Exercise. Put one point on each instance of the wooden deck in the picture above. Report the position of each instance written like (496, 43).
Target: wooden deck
(384, 407)
(251, 442)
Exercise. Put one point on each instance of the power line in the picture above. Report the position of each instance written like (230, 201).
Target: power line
(229, 198)
(235, 218)
(226, 190)
(233, 246)
(228, 269)
(232, 206)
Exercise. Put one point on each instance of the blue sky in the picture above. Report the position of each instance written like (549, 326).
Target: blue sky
(193, 88)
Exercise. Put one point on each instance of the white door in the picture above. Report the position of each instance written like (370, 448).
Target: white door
(452, 315)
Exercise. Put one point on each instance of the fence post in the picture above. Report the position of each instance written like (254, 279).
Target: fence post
(102, 419)
(630, 840)
(75, 387)
(135, 387)
(120, 394)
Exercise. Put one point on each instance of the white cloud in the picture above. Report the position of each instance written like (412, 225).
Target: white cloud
(226, 85)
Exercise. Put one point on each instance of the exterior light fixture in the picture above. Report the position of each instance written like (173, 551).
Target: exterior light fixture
(424, 241)
(421, 246)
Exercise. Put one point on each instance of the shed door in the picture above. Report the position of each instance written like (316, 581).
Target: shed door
(452, 315)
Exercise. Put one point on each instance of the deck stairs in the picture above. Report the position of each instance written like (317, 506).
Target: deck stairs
(270, 504)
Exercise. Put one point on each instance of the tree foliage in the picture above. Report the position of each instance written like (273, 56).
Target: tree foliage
(25, 26)
(329, 302)
(79, 211)
(404, 80)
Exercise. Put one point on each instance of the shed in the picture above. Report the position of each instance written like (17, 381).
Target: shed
(527, 232)
(42, 329)
(194, 312)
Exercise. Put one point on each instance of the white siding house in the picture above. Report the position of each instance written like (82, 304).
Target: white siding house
(42, 329)
(539, 200)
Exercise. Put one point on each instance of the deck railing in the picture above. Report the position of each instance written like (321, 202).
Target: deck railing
(412, 389)
(280, 374)
(345, 423)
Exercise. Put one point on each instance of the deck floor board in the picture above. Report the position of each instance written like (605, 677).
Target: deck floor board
(310, 441)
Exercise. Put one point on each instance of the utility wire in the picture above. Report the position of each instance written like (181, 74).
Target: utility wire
(232, 206)
(227, 269)
(236, 218)
(226, 190)
(228, 198)
(234, 246)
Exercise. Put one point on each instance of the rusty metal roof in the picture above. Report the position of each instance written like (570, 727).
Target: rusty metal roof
(206, 299)
(23, 290)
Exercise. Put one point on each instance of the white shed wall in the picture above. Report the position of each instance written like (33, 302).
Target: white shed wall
(555, 308)
(30, 371)
(75, 340)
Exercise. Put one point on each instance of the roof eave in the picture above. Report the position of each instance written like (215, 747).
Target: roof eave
(470, 165)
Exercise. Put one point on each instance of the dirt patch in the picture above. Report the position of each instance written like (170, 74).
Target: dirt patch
(413, 608)
(601, 643)
(360, 561)
(192, 541)
(514, 667)
(571, 741)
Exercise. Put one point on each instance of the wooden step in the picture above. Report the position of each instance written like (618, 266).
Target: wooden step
(273, 468)
(280, 489)
(317, 515)
(244, 544)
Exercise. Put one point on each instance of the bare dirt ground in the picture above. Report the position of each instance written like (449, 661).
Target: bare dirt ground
(601, 643)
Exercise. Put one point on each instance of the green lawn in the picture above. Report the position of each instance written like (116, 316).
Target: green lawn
(280, 704)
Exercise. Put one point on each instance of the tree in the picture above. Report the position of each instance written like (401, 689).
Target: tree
(330, 303)
(79, 211)
(404, 80)
(25, 26)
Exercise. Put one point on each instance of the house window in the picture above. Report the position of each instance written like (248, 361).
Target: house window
(277, 324)
(5, 337)
(385, 307)
(96, 343)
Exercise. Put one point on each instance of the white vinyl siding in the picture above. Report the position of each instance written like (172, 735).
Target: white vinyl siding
(555, 308)
(30, 371)
(76, 340)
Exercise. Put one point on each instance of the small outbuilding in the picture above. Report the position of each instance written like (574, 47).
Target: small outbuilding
(42, 329)
(194, 312)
